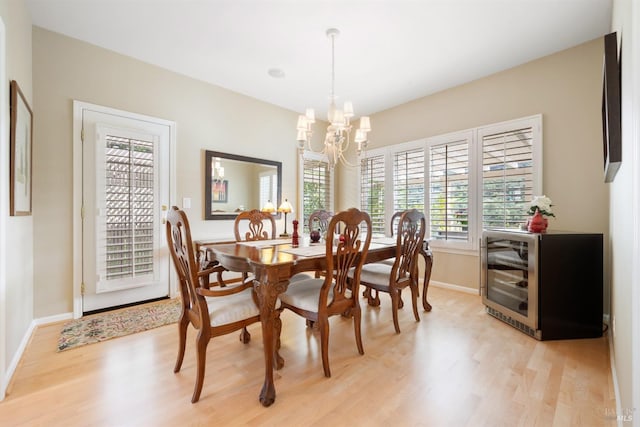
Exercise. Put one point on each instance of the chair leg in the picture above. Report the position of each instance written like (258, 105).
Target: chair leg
(201, 355)
(323, 325)
(395, 298)
(357, 317)
(278, 361)
(245, 336)
(414, 298)
(183, 324)
(372, 299)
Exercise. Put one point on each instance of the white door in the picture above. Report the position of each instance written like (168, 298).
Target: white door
(125, 192)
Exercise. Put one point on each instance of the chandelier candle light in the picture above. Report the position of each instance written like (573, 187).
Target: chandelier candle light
(338, 134)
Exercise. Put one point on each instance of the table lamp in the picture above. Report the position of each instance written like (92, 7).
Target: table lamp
(285, 208)
(268, 207)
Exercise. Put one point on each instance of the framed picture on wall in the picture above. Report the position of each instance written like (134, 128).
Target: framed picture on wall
(21, 140)
(219, 191)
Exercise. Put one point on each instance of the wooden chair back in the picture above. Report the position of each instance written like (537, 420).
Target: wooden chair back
(395, 218)
(250, 225)
(319, 220)
(182, 253)
(350, 252)
(410, 237)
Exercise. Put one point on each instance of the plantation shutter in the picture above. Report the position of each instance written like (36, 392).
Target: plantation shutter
(408, 180)
(449, 190)
(127, 227)
(372, 191)
(317, 189)
(507, 177)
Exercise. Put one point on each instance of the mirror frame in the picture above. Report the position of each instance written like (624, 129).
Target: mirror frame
(209, 156)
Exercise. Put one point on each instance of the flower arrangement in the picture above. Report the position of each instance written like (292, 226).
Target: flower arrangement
(541, 203)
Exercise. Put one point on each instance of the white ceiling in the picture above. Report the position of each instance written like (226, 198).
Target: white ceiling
(389, 51)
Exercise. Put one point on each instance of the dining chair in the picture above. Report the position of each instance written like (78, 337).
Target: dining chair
(213, 312)
(250, 225)
(403, 272)
(317, 299)
(319, 220)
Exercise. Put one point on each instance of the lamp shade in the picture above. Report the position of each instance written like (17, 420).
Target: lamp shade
(302, 123)
(268, 207)
(285, 207)
(365, 123)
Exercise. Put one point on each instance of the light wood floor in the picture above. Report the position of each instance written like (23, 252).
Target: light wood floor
(457, 367)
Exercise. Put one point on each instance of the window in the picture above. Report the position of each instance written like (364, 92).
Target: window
(474, 179)
(372, 194)
(408, 180)
(449, 180)
(128, 196)
(317, 186)
(507, 176)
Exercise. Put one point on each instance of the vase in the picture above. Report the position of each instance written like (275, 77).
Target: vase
(537, 223)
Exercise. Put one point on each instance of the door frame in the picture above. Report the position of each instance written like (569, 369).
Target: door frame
(78, 108)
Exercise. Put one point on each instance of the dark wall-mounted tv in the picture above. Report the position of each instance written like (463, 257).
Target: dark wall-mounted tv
(611, 121)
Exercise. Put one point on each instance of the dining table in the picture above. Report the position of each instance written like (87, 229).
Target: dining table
(273, 263)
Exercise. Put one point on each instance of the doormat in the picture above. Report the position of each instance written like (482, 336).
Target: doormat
(104, 326)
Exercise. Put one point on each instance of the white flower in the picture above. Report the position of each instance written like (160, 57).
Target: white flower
(541, 203)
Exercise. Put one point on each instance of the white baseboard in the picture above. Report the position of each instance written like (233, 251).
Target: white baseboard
(11, 369)
(53, 319)
(458, 288)
(614, 376)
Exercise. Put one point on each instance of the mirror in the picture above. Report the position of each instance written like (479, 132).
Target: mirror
(237, 183)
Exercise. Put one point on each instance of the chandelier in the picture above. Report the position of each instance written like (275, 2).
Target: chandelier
(338, 136)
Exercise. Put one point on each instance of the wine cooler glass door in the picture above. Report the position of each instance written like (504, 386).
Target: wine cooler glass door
(509, 275)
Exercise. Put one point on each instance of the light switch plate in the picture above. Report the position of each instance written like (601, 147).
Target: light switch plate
(186, 203)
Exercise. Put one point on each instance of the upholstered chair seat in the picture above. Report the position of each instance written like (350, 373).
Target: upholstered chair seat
(232, 308)
(304, 294)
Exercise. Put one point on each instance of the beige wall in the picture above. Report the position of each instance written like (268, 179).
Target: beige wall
(624, 191)
(207, 117)
(19, 291)
(566, 88)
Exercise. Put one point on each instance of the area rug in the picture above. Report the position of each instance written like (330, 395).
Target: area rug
(113, 324)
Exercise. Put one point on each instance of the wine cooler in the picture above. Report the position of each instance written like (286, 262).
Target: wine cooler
(547, 285)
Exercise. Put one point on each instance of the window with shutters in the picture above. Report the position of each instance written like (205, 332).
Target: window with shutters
(479, 178)
(372, 191)
(507, 174)
(317, 187)
(449, 183)
(130, 207)
(408, 180)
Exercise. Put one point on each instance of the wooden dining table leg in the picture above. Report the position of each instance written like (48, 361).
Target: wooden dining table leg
(267, 288)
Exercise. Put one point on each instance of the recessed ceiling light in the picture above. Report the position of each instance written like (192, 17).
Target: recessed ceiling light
(276, 73)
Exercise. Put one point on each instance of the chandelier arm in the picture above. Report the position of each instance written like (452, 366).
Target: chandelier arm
(346, 162)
